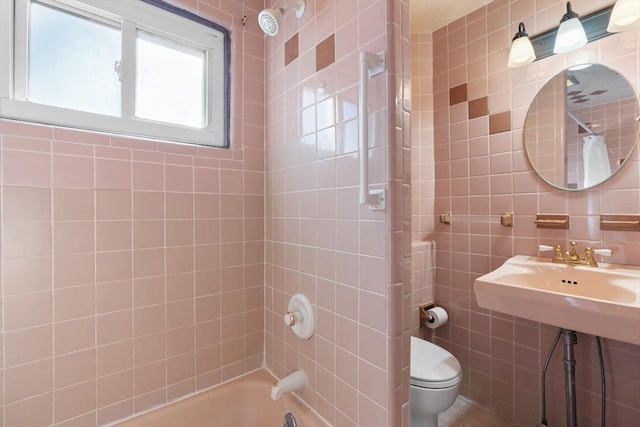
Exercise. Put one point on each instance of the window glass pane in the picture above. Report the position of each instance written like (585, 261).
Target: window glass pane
(170, 82)
(72, 62)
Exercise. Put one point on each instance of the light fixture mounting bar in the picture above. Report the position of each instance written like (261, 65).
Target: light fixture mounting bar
(595, 26)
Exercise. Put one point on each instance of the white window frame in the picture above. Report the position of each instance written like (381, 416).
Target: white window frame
(130, 16)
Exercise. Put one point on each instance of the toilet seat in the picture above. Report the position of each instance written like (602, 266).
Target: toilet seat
(432, 366)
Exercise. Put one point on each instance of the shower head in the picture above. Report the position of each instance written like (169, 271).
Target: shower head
(269, 19)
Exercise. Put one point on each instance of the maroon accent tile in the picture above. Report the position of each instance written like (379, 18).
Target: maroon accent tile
(500, 122)
(479, 107)
(291, 49)
(325, 53)
(580, 101)
(458, 94)
(598, 92)
(574, 92)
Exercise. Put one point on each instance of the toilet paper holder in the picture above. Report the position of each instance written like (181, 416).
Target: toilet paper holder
(425, 316)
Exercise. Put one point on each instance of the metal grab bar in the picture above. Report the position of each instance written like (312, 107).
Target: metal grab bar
(370, 65)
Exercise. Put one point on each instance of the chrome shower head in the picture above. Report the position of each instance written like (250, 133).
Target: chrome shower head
(269, 19)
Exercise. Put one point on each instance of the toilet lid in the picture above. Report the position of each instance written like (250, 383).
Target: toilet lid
(433, 366)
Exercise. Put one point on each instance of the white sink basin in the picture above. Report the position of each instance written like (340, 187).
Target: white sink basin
(602, 301)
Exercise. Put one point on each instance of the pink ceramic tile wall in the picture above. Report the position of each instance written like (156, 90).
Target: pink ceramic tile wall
(348, 260)
(399, 309)
(502, 355)
(132, 271)
(546, 125)
(422, 178)
(422, 283)
(422, 163)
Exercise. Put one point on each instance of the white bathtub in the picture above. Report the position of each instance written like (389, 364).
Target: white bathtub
(242, 402)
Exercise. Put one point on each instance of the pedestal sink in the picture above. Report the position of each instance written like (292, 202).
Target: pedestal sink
(602, 301)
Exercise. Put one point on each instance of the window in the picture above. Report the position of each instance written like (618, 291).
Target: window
(141, 68)
(161, 63)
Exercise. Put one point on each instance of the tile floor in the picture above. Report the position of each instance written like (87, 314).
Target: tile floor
(465, 413)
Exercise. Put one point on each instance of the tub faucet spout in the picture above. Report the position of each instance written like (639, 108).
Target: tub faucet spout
(295, 381)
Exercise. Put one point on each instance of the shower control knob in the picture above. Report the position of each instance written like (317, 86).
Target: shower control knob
(291, 318)
(299, 316)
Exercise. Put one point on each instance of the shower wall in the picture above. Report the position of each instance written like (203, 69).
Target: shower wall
(132, 270)
(481, 171)
(350, 261)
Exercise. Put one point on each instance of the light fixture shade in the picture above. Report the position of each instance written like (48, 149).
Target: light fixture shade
(624, 16)
(570, 36)
(521, 53)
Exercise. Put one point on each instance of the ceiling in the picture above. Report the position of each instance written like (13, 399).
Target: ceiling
(596, 85)
(429, 15)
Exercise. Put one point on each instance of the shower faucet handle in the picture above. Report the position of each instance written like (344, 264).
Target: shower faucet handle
(292, 317)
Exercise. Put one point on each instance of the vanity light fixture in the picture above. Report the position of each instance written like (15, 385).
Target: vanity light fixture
(594, 25)
(625, 16)
(571, 34)
(521, 52)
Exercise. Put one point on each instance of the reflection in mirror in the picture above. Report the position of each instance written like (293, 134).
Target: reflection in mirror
(581, 127)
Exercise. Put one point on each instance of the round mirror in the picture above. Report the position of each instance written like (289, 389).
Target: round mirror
(581, 127)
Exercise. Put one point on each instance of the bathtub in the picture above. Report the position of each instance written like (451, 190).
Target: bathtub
(244, 401)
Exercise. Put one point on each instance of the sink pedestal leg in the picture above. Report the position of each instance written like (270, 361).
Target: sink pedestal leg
(570, 340)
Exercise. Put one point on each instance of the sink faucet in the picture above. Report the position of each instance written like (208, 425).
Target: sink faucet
(571, 257)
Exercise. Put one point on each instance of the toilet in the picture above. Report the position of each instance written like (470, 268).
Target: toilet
(435, 381)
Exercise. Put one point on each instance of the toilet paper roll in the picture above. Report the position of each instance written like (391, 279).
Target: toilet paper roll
(437, 317)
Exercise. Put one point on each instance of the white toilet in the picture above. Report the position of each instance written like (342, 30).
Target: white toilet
(435, 381)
